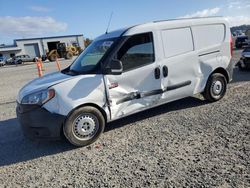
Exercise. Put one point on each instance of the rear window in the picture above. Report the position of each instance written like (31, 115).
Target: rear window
(206, 36)
(177, 41)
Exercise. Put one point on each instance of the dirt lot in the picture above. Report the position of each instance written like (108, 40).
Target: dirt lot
(188, 143)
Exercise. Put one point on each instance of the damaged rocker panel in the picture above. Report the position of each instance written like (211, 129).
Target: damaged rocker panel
(138, 95)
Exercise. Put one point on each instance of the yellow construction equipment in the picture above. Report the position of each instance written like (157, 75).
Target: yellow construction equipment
(61, 52)
(73, 50)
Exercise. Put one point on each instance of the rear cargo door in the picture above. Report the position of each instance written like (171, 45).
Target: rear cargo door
(179, 65)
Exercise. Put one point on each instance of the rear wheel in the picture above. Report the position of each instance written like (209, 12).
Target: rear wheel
(216, 87)
(84, 126)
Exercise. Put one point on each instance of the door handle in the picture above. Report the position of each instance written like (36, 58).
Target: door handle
(165, 71)
(157, 73)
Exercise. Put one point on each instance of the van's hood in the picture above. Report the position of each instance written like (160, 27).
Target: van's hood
(42, 83)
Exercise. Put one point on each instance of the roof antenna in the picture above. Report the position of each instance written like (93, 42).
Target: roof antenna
(111, 15)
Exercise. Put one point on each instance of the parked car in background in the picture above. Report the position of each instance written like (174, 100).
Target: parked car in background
(241, 41)
(44, 58)
(2, 61)
(9, 61)
(20, 59)
(244, 62)
(238, 33)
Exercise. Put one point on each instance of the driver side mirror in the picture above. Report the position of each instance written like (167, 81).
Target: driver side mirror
(114, 67)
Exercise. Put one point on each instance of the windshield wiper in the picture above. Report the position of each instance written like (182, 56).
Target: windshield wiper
(70, 72)
(74, 72)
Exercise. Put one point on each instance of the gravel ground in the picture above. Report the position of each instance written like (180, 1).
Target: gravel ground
(187, 143)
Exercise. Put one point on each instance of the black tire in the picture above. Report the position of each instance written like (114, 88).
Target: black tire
(84, 126)
(216, 87)
(68, 55)
(19, 62)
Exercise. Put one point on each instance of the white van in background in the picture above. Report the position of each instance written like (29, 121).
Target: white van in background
(128, 71)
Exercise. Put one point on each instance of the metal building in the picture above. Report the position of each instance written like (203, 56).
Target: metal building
(35, 47)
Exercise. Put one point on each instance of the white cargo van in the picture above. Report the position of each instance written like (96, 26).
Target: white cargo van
(127, 71)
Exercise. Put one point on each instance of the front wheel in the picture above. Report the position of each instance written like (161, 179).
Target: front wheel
(216, 87)
(84, 126)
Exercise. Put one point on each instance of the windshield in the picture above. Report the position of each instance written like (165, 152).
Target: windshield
(91, 56)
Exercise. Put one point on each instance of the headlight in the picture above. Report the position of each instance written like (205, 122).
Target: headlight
(39, 98)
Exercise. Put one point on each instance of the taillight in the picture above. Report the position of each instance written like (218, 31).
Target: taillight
(231, 46)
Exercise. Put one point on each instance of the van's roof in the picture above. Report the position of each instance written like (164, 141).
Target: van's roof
(163, 24)
(190, 18)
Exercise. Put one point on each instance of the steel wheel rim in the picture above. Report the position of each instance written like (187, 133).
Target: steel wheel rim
(85, 126)
(217, 88)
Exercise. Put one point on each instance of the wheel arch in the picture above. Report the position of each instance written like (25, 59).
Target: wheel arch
(82, 105)
(92, 105)
(221, 71)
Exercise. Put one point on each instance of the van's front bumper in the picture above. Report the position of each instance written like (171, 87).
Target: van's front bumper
(38, 123)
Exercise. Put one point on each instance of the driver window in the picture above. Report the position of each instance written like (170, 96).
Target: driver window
(137, 51)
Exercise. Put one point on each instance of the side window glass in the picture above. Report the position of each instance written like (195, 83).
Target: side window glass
(137, 51)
